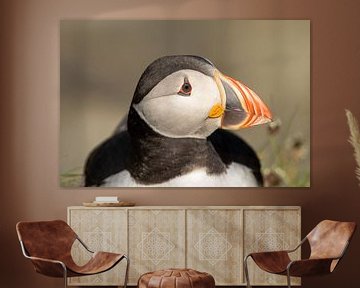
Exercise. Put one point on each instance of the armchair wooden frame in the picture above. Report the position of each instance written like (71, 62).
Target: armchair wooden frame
(322, 260)
(100, 261)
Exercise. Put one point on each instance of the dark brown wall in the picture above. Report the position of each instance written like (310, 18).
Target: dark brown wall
(29, 119)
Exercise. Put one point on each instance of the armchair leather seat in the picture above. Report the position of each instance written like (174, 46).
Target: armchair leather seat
(276, 262)
(99, 262)
(272, 262)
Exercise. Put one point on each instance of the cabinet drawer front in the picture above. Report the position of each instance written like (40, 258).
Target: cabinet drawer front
(156, 240)
(214, 244)
(101, 230)
(270, 230)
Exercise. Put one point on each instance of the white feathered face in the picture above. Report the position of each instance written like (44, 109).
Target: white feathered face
(179, 106)
(190, 104)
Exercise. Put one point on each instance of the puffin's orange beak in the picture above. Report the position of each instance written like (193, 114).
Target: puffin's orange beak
(243, 108)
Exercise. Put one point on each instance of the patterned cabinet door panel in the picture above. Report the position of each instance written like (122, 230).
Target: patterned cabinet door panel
(101, 230)
(214, 244)
(156, 240)
(269, 230)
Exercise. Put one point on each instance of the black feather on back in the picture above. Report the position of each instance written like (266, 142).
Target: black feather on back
(107, 159)
(232, 148)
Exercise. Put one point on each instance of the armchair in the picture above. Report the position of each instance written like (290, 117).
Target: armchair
(48, 245)
(328, 242)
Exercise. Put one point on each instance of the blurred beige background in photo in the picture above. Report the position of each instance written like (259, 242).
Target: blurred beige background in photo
(102, 60)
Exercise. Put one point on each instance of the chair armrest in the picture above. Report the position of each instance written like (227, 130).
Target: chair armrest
(267, 254)
(49, 267)
(38, 258)
(46, 260)
(280, 251)
(270, 252)
(309, 267)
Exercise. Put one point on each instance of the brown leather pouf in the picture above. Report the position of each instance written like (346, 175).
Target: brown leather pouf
(176, 278)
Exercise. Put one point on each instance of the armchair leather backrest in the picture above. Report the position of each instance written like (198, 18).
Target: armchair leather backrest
(329, 239)
(47, 239)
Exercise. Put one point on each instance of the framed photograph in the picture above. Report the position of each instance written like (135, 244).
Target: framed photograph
(180, 103)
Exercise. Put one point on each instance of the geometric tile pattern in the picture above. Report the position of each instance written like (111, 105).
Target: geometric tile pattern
(269, 240)
(213, 246)
(155, 246)
(98, 240)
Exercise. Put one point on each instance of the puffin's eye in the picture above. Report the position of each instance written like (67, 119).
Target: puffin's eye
(185, 89)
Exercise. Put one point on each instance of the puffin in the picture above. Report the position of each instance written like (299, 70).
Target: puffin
(176, 133)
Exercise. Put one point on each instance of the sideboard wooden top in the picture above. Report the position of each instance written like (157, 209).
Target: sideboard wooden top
(193, 207)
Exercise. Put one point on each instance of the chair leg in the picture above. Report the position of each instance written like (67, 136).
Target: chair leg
(246, 270)
(288, 278)
(65, 276)
(127, 271)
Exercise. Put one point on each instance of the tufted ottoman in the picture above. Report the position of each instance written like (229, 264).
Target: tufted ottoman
(176, 278)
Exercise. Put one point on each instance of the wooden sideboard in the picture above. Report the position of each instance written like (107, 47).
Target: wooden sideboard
(211, 239)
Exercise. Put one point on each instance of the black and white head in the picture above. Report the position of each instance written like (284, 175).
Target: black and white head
(185, 96)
